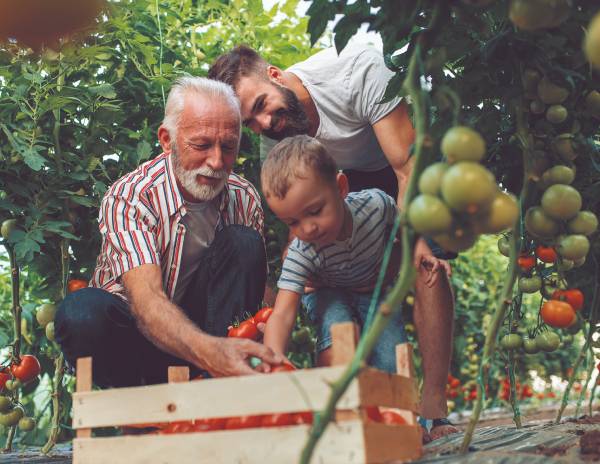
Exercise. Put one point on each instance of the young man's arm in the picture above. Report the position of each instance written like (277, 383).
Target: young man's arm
(280, 324)
(166, 325)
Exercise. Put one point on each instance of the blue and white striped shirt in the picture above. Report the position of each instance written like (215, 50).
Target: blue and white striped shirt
(351, 263)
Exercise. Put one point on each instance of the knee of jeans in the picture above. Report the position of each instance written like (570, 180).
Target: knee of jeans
(81, 314)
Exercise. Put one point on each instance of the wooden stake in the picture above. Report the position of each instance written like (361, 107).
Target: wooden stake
(178, 374)
(83, 384)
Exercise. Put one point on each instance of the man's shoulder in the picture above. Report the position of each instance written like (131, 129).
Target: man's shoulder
(236, 183)
(146, 176)
(330, 56)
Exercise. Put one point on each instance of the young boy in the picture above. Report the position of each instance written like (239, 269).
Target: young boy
(340, 245)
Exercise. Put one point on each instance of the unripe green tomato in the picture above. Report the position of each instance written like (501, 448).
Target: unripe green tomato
(584, 223)
(530, 346)
(504, 246)
(456, 240)
(429, 215)
(561, 202)
(468, 187)
(565, 265)
(27, 424)
(556, 114)
(591, 45)
(539, 224)
(511, 341)
(548, 341)
(5, 404)
(573, 247)
(12, 384)
(430, 181)
(461, 143)
(558, 175)
(579, 262)
(501, 215)
(50, 331)
(45, 314)
(530, 284)
(12, 417)
(550, 93)
(592, 103)
(7, 227)
(563, 146)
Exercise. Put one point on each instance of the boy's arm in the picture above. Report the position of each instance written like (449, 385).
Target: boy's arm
(280, 324)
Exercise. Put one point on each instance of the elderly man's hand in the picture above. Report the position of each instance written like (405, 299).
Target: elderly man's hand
(230, 357)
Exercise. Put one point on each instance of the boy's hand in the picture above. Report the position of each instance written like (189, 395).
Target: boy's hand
(433, 266)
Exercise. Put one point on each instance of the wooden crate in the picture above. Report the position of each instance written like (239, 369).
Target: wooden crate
(352, 438)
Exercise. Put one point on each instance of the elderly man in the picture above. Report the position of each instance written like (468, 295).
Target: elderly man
(182, 254)
(338, 99)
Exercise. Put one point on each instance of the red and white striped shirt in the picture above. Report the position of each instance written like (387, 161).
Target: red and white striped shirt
(140, 222)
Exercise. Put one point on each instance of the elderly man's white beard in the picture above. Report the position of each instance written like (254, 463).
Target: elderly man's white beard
(188, 179)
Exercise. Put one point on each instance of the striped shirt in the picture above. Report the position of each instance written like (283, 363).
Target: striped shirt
(351, 263)
(141, 222)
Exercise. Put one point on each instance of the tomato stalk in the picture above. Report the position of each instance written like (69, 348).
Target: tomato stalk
(590, 370)
(16, 313)
(514, 400)
(505, 297)
(407, 273)
(592, 395)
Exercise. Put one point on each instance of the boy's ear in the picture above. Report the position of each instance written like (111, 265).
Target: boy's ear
(342, 184)
(164, 138)
(274, 74)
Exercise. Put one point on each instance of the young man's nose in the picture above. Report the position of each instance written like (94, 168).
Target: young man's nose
(264, 121)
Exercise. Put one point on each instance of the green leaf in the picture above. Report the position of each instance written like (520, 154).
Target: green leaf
(144, 150)
(32, 158)
(320, 12)
(81, 200)
(104, 90)
(26, 248)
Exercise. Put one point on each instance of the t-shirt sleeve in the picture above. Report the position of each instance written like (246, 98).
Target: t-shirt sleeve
(297, 268)
(369, 80)
(388, 205)
(128, 231)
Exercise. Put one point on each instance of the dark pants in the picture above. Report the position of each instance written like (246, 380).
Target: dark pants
(94, 322)
(385, 179)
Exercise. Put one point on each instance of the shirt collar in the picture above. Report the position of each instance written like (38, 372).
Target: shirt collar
(178, 203)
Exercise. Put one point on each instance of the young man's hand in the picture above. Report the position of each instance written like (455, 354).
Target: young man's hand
(434, 266)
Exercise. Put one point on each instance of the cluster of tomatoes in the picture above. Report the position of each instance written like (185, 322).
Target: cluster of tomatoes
(248, 328)
(20, 372)
(459, 199)
(524, 391)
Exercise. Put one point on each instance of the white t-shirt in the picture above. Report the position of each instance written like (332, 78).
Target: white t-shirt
(200, 224)
(346, 90)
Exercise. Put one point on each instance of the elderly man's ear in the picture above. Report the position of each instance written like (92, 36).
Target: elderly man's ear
(164, 138)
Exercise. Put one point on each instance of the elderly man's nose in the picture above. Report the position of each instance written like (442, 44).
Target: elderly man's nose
(215, 161)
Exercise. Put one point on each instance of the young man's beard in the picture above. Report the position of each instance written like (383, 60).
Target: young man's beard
(188, 178)
(296, 121)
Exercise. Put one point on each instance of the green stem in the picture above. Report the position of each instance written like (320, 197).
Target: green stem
(392, 303)
(504, 300)
(590, 361)
(514, 401)
(16, 313)
(59, 369)
(582, 353)
(160, 55)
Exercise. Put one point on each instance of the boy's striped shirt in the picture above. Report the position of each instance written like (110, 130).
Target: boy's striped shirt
(352, 263)
(140, 222)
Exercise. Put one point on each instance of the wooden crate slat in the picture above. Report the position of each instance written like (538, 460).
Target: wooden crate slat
(341, 444)
(384, 389)
(400, 443)
(84, 383)
(280, 392)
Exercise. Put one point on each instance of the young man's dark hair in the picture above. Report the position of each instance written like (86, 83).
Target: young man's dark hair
(240, 62)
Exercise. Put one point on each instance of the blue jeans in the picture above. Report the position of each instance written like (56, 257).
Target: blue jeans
(94, 322)
(328, 306)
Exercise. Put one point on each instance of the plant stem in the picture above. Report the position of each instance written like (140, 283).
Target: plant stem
(16, 313)
(56, 390)
(590, 369)
(514, 401)
(392, 303)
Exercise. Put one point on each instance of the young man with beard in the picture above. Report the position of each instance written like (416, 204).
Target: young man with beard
(182, 254)
(338, 100)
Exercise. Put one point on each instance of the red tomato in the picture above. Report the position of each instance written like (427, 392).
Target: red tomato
(573, 296)
(263, 315)
(450, 377)
(27, 369)
(390, 417)
(546, 254)
(551, 395)
(455, 383)
(473, 395)
(243, 422)
(285, 367)
(557, 313)
(246, 329)
(526, 262)
(4, 376)
(76, 284)
(277, 420)
(305, 417)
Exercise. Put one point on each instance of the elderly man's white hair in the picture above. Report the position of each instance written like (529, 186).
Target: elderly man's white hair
(210, 89)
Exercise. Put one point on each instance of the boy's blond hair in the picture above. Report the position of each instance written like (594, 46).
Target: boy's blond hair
(297, 157)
